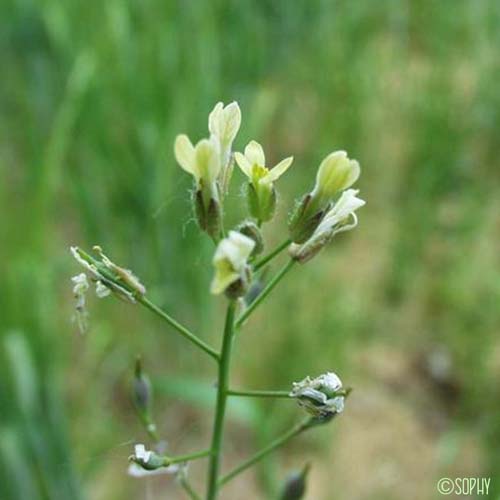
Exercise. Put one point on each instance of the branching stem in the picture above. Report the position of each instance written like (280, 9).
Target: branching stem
(220, 410)
(267, 290)
(270, 256)
(180, 328)
(281, 440)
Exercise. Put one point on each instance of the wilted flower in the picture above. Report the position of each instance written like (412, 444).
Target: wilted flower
(108, 276)
(203, 163)
(322, 396)
(80, 288)
(147, 460)
(261, 193)
(336, 173)
(338, 219)
(232, 273)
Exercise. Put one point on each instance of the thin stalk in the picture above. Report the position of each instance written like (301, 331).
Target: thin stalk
(181, 329)
(186, 486)
(294, 431)
(187, 458)
(270, 256)
(267, 290)
(220, 410)
(259, 394)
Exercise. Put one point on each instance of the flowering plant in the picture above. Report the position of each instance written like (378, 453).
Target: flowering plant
(327, 210)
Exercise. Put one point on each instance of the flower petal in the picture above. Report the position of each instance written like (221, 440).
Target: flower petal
(184, 153)
(276, 172)
(244, 164)
(206, 165)
(214, 119)
(255, 154)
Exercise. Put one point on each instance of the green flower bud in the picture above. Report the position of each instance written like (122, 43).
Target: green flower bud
(141, 389)
(250, 229)
(295, 486)
(148, 460)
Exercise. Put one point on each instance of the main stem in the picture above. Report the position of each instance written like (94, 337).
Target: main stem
(220, 410)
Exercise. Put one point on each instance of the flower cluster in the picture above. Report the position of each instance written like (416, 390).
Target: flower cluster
(328, 209)
(239, 273)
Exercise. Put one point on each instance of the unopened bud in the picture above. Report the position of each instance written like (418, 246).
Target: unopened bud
(141, 389)
(295, 486)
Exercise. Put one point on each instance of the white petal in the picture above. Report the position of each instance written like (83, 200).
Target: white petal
(276, 172)
(184, 153)
(232, 122)
(255, 153)
(244, 164)
(214, 119)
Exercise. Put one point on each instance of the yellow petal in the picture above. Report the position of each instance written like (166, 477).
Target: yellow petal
(207, 164)
(214, 119)
(336, 173)
(276, 172)
(184, 153)
(244, 164)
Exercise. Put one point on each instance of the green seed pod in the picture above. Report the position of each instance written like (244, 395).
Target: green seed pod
(295, 485)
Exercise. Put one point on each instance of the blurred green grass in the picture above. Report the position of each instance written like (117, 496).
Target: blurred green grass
(92, 96)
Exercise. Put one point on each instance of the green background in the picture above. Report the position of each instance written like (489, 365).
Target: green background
(405, 308)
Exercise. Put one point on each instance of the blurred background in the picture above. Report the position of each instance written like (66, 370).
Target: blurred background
(405, 308)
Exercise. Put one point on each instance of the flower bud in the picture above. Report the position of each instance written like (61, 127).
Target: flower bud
(232, 272)
(338, 219)
(260, 191)
(322, 397)
(141, 389)
(295, 486)
(336, 173)
(250, 229)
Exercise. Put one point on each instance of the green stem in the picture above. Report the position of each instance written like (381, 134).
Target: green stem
(186, 486)
(181, 329)
(222, 387)
(187, 458)
(259, 394)
(294, 431)
(270, 256)
(267, 290)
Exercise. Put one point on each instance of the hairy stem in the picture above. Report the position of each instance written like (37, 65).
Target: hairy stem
(267, 290)
(181, 329)
(220, 410)
(294, 431)
(270, 256)
(259, 394)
